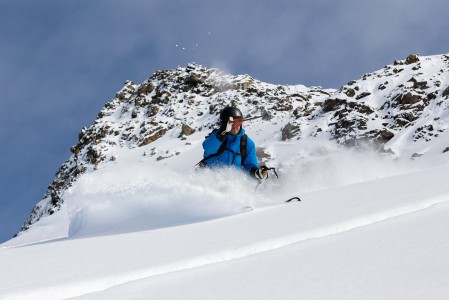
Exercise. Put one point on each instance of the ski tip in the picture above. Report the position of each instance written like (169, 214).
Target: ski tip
(292, 199)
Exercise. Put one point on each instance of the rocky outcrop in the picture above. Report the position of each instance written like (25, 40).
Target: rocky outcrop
(289, 131)
(395, 97)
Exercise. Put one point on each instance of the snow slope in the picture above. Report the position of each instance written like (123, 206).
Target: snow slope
(128, 216)
(382, 238)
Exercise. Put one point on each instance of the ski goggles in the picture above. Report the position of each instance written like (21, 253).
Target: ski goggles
(236, 122)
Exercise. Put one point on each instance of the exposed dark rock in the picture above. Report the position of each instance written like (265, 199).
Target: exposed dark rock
(94, 156)
(412, 58)
(345, 124)
(424, 132)
(350, 93)
(431, 96)
(195, 79)
(284, 105)
(382, 86)
(384, 136)
(289, 131)
(153, 137)
(332, 104)
(361, 108)
(404, 118)
(446, 92)
(145, 89)
(153, 110)
(187, 130)
(162, 157)
(362, 95)
(407, 98)
(418, 84)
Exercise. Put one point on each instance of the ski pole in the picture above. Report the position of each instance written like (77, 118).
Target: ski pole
(247, 119)
(265, 169)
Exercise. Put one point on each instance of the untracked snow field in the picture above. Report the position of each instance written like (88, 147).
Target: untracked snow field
(183, 236)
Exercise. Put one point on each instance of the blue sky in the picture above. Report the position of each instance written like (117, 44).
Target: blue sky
(61, 61)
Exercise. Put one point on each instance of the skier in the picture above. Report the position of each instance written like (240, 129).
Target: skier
(230, 146)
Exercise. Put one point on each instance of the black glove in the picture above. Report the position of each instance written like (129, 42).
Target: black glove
(224, 130)
(260, 173)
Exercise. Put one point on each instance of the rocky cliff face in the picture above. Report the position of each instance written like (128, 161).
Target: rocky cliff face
(408, 99)
(382, 104)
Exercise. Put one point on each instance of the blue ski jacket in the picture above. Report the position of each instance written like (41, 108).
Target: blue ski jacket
(232, 152)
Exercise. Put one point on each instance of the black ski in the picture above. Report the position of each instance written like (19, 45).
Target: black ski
(294, 198)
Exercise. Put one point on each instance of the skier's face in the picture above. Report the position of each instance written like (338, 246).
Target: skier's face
(235, 129)
(236, 125)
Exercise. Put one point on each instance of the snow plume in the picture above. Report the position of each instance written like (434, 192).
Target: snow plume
(131, 195)
(320, 165)
(124, 199)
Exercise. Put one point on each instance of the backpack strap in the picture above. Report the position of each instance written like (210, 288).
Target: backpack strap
(243, 141)
(222, 148)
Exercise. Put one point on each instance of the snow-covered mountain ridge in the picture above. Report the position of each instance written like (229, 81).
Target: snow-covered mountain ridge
(400, 110)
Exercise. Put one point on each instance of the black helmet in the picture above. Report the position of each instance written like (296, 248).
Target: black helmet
(230, 111)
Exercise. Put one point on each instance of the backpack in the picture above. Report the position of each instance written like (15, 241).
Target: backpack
(243, 141)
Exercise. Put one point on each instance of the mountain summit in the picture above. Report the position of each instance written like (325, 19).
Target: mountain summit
(400, 111)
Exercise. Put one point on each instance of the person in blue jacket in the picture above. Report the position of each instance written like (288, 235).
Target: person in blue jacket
(230, 146)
